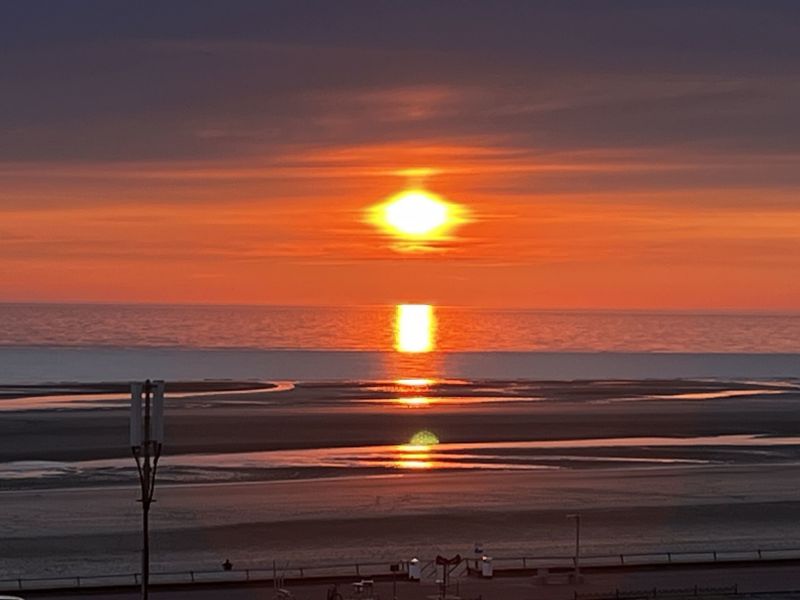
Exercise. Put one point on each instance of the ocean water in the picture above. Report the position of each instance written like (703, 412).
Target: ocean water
(385, 410)
(118, 342)
(373, 329)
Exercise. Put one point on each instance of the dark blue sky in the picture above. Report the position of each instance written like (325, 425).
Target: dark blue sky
(554, 75)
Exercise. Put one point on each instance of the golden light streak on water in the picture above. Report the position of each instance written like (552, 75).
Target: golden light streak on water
(414, 328)
(415, 382)
(413, 456)
(415, 402)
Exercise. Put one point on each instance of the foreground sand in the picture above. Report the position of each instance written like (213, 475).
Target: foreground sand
(398, 517)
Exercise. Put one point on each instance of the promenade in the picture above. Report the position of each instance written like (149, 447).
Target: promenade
(762, 580)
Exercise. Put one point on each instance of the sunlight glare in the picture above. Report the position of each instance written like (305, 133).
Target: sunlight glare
(417, 464)
(416, 454)
(415, 402)
(415, 382)
(414, 328)
(423, 438)
(417, 214)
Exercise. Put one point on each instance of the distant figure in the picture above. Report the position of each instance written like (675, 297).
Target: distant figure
(227, 565)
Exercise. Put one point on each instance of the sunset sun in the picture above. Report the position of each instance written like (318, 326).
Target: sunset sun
(416, 214)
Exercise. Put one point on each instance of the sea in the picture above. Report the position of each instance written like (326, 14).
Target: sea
(88, 342)
(406, 430)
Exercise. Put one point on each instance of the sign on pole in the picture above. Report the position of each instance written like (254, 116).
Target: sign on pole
(136, 415)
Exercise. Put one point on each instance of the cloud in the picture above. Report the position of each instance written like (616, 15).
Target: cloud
(599, 137)
(158, 83)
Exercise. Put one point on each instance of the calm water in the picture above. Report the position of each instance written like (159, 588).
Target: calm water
(375, 329)
(417, 398)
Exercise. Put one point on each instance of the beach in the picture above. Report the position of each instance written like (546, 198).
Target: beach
(308, 473)
(401, 517)
(299, 436)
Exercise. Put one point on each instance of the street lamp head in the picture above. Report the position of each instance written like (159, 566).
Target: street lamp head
(136, 415)
(147, 413)
(157, 431)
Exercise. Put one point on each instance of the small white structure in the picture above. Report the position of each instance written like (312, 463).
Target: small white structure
(364, 589)
(487, 570)
(414, 570)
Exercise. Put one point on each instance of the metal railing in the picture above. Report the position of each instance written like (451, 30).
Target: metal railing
(256, 574)
(289, 571)
(641, 558)
(653, 593)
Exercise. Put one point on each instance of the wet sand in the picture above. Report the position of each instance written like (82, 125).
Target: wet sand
(744, 497)
(365, 414)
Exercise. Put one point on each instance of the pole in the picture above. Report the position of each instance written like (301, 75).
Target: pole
(577, 518)
(145, 552)
(146, 493)
(146, 452)
(578, 546)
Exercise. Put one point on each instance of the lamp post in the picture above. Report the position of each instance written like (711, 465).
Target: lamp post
(577, 517)
(147, 437)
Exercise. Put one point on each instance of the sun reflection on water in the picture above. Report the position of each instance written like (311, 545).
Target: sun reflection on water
(414, 328)
(415, 364)
(415, 401)
(414, 457)
(416, 454)
(419, 382)
(410, 389)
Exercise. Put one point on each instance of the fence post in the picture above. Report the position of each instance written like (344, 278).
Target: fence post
(622, 559)
(191, 574)
(78, 581)
(715, 556)
(19, 581)
(669, 556)
(759, 554)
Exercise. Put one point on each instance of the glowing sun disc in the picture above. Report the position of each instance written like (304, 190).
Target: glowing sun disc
(416, 213)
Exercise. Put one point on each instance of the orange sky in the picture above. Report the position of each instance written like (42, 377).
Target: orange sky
(649, 159)
(294, 231)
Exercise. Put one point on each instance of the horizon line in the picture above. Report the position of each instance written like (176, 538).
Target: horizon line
(586, 309)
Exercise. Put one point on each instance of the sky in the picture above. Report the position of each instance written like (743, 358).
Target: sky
(609, 155)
